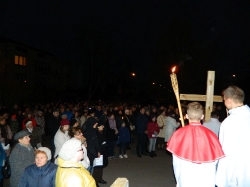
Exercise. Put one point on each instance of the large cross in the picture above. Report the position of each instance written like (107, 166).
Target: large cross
(209, 97)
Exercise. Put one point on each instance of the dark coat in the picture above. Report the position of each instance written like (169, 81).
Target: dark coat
(34, 176)
(53, 125)
(110, 133)
(141, 123)
(103, 145)
(92, 140)
(124, 134)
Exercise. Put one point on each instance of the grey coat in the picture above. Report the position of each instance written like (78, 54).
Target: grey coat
(171, 126)
(20, 158)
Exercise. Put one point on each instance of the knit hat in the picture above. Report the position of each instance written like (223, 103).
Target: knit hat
(69, 149)
(13, 116)
(47, 151)
(64, 122)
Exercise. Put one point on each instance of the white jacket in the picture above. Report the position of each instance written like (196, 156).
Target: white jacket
(59, 140)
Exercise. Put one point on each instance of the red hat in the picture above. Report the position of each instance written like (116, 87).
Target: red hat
(13, 116)
(64, 122)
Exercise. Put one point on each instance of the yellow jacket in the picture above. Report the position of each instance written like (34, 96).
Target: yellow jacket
(71, 174)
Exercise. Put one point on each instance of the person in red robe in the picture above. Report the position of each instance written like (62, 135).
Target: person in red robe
(195, 150)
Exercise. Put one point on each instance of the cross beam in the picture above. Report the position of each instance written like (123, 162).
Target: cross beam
(209, 97)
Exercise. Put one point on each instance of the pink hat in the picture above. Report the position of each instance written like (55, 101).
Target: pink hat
(64, 122)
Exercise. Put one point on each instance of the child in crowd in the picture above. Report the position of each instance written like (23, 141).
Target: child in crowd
(153, 130)
(124, 140)
(196, 151)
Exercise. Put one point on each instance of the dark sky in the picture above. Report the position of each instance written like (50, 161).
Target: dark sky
(147, 36)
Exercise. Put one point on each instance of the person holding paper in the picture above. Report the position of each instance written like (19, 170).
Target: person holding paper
(98, 170)
(153, 130)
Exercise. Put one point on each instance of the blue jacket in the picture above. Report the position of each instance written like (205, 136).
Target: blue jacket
(2, 158)
(34, 176)
(124, 134)
(141, 123)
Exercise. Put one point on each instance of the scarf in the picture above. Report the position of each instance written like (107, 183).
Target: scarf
(112, 123)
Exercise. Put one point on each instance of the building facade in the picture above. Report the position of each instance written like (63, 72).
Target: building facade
(28, 74)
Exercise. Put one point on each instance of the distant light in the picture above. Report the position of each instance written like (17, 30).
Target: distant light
(160, 85)
(133, 74)
(25, 81)
(153, 83)
(234, 75)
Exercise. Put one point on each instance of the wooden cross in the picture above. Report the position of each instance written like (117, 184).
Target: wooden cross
(209, 97)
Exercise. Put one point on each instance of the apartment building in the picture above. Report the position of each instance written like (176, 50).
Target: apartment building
(28, 74)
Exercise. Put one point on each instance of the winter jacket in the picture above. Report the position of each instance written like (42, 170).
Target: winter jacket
(171, 126)
(20, 157)
(59, 140)
(152, 128)
(71, 174)
(92, 141)
(141, 123)
(53, 125)
(34, 176)
(161, 121)
(124, 134)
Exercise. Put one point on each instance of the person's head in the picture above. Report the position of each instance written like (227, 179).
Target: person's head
(171, 113)
(153, 118)
(29, 115)
(142, 110)
(15, 106)
(162, 112)
(233, 97)
(40, 113)
(42, 156)
(154, 110)
(2, 120)
(99, 108)
(91, 112)
(111, 115)
(71, 151)
(194, 112)
(126, 111)
(56, 113)
(64, 125)
(76, 113)
(29, 125)
(23, 137)
(13, 117)
(76, 132)
(214, 114)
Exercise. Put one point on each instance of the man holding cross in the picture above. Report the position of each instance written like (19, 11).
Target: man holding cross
(234, 169)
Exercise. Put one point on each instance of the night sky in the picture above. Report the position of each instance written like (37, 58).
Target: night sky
(145, 37)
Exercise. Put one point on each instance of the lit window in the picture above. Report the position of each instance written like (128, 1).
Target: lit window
(20, 60)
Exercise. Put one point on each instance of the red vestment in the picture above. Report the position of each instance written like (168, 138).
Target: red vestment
(196, 144)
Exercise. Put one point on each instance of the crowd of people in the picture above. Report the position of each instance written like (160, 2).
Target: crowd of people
(81, 133)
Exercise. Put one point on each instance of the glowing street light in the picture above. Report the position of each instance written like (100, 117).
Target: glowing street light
(153, 83)
(234, 75)
(133, 74)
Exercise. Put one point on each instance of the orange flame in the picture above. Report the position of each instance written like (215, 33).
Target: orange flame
(173, 70)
